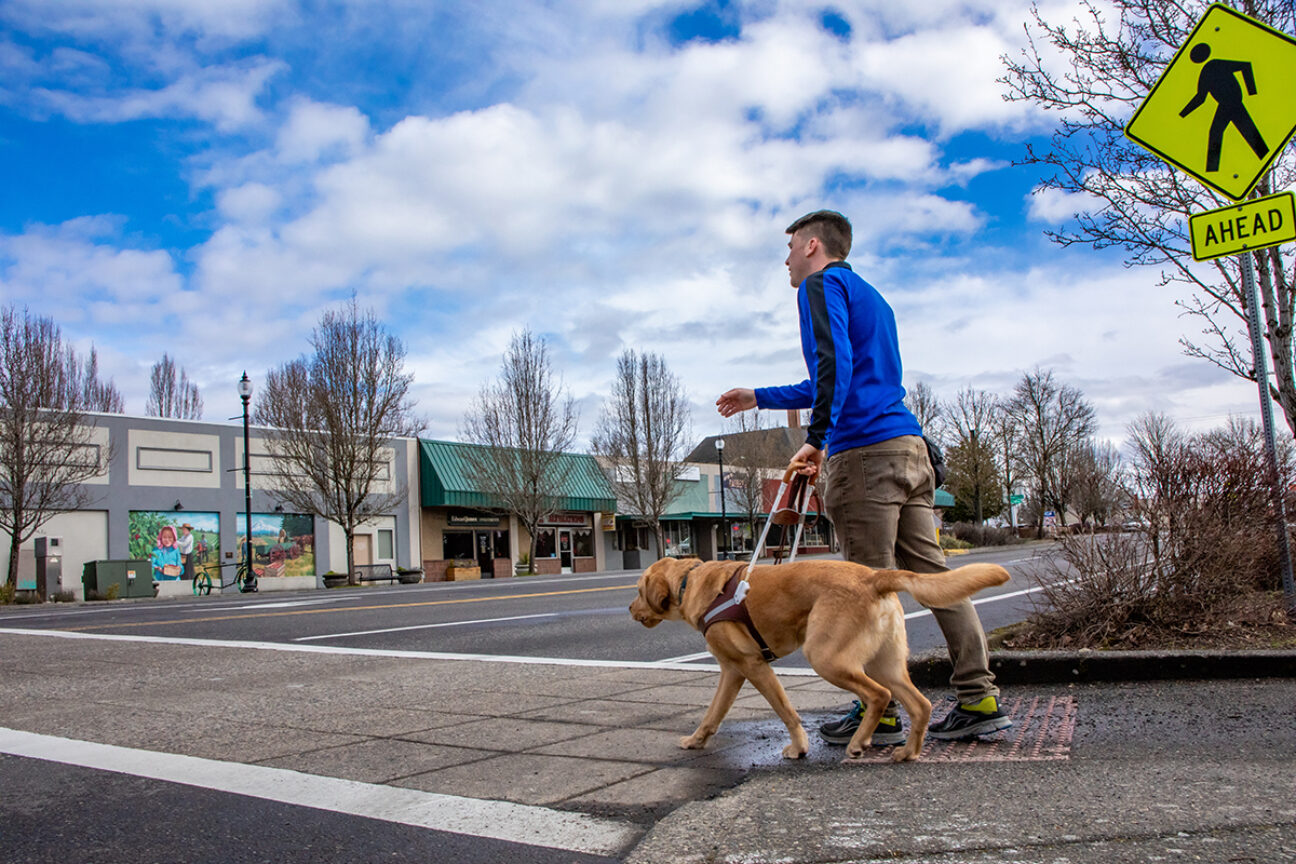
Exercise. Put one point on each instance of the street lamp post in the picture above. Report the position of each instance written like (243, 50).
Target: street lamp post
(245, 393)
(724, 519)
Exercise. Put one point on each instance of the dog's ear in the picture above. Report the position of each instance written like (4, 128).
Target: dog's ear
(657, 588)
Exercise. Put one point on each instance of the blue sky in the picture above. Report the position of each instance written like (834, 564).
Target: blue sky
(204, 177)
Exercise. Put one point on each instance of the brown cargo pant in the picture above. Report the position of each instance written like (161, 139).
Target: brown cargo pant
(879, 498)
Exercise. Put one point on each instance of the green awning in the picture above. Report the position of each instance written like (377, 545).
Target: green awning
(445, 480)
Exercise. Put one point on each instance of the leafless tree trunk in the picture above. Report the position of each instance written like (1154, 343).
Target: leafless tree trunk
(971, 456)
(1126, 196)
(923, 404)
(1053, 419)
(48, 447)
(333, 416)
(642, 436)
(171, 393)
(524, 422)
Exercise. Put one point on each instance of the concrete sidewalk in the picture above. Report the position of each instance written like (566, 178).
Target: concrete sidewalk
(1096, 771)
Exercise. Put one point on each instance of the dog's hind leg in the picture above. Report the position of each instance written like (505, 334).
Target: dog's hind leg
(890, 667)
(763, 678)
(726, 692)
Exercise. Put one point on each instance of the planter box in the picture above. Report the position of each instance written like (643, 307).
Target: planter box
(463, 574)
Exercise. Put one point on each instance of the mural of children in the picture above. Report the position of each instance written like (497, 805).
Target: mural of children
(186, 546)
(167, 565)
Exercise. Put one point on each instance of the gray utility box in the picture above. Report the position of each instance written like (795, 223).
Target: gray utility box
(133, 578)
(49, 566)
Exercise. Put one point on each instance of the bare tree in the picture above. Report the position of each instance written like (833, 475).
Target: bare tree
(973, 473)
(524, 422)
(48, 446)
(751, 456)
(1098, 490)
(922, 402)
(171, 393)
(1127, 197)
(1005, 439)
(1053, 418)
(642, 436)
(333, 416)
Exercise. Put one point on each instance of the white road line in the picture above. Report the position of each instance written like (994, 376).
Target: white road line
(367, 652)
(687, 658)
(424, 627)
(499, 820)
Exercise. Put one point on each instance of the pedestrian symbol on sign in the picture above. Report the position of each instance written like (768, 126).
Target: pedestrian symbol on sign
(1218, 79)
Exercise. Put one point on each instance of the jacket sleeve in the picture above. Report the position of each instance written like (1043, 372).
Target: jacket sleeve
(790, 396)
(829, 320)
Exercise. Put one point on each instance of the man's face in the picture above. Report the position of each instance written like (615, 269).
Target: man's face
(799, 257)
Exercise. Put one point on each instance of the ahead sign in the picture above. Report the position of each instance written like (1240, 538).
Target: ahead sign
(1223, 109)
(1244, 227)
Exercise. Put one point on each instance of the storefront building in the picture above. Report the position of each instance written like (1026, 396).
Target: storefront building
(169, 483)
(462, 522)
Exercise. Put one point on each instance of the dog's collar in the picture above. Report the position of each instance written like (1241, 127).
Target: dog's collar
(679, 599)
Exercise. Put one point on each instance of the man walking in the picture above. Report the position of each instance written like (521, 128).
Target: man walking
(880, 480)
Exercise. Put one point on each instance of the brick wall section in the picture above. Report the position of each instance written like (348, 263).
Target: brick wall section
(435, 570)
(503, 568)
(548, 566)
(584, 565)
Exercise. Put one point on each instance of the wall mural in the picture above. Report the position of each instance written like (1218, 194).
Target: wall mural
(179, 543)
(283, 544)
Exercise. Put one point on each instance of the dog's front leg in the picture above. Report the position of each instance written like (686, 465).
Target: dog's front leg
(764, 679)
(726, 692)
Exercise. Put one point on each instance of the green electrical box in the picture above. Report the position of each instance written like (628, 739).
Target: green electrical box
(133, 578)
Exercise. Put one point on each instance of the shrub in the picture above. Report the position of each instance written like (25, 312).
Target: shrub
(1202, 549)
(981, 535)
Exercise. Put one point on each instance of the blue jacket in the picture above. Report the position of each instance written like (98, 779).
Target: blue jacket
(849, 341)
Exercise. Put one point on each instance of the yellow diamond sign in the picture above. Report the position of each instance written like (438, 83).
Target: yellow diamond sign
(1224, 108)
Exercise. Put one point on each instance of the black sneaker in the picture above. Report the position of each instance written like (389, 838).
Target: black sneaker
(961, 723)
(841, 730)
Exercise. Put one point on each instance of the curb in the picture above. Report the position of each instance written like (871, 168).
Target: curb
(1057, 667)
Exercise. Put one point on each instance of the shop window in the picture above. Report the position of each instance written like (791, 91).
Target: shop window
(502, 544)
(386, 545)
(546, 543)
(457, 544)
(679, 538)
(583, 544)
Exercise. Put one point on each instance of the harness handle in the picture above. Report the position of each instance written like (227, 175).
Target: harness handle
(804, 506)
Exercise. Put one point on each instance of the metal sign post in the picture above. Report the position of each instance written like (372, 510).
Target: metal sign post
(1261, 365)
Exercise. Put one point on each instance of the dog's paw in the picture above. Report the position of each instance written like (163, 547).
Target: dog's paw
(692, 742)
(904, 754)
(854, 754)
(794, 751)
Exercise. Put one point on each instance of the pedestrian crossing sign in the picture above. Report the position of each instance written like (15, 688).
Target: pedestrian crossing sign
(1223, 109)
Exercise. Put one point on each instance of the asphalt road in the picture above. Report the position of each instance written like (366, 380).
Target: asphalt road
(580, 617)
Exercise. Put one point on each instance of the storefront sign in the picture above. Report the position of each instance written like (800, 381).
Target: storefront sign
(472, 520)
(567, 520)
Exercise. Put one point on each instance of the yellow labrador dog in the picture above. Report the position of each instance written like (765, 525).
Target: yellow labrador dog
(844, 617)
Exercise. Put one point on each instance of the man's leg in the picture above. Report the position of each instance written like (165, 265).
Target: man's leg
(918, 549)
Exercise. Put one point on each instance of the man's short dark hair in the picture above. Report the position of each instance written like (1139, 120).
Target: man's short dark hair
(832, 228)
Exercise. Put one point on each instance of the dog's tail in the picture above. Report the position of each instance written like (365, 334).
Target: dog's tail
(938, 590)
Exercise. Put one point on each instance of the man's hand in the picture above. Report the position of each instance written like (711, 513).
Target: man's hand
(733, 401)
(810, 458)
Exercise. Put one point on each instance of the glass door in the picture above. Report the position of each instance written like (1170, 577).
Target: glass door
(565, 548)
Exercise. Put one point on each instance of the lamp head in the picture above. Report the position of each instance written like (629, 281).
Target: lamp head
(245, 386)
